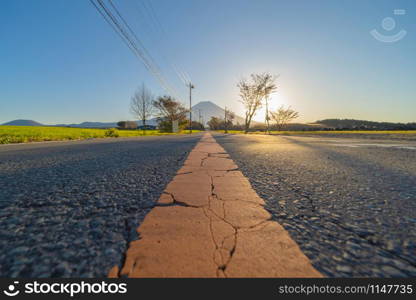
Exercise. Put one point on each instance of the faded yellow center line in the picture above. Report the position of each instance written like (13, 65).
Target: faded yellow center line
(209, 222)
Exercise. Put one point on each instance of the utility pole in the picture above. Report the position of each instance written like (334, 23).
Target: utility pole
(191, 86)
(200, 117)
(267, 116)
(225, 120)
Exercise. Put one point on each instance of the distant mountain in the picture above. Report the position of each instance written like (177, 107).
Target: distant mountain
(104, 124)
(23, 123)
(207, 109)
(352, 124)
(203, 111)
(90, 125)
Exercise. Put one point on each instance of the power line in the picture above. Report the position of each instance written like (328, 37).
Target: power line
(154, 64)
(113, 26)
(183, 76)
(139, 51)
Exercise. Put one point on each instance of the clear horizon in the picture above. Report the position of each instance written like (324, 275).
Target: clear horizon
(133, 119)
(61, 63)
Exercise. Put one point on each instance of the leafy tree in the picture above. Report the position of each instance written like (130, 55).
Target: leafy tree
(169, 110)
(127, 125)
(229, 117)
(122, 124)
(215, 123)
(196, 125)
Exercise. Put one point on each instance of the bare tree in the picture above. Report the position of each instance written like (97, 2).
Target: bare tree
(269, 88)
(252, 93)
(141, 105)
(251, 100)
(283, 116)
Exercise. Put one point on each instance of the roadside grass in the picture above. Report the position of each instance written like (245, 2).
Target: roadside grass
(346, 132)
(405, 135)
(26, 134)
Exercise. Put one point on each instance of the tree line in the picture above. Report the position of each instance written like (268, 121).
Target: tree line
(351, 124)
(255, 93)
(145, 106)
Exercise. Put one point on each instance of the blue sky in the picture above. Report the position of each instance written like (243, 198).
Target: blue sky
(61, 63)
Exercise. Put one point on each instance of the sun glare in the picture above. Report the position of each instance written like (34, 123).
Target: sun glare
(276, 100)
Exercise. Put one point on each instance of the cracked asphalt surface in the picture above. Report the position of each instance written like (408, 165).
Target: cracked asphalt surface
(69, 209)
(349, 204)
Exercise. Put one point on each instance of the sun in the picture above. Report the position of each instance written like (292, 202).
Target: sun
(276, 100)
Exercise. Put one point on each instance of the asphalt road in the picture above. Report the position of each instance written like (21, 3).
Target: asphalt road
(349, 203)
(69, 209)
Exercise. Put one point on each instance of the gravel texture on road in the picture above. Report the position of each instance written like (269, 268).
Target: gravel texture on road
(352, 210)
(69, 209)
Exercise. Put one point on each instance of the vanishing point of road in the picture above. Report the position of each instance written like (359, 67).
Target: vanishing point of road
(70, 209)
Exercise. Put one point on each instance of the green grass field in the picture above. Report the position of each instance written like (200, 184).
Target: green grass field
(25, 134)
